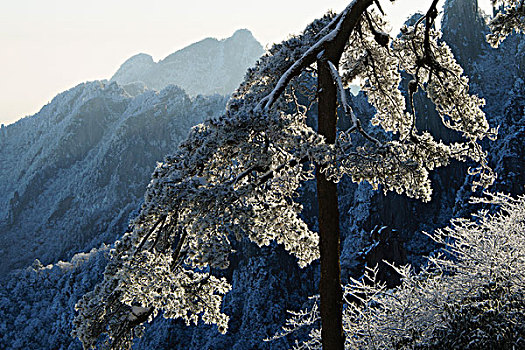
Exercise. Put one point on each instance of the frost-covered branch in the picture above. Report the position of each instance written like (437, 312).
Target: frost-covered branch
(342, 93)
(510, 18)
(356, 123)
(471, 297)
(347, 20)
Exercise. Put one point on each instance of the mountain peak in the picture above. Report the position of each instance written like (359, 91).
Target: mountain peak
(199, 68)
(140, 57)
(242, 34)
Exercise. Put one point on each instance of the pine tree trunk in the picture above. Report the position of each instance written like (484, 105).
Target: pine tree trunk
(330, 288)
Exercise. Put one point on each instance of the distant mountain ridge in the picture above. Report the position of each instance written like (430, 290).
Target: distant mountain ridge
(71, 178)
(71, 175)
(207, 67)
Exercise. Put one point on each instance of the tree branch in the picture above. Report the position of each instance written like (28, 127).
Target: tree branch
(346, 23)
(146, 237)
(346, 107)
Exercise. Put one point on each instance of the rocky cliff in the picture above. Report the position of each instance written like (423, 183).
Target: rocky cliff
(71, 175)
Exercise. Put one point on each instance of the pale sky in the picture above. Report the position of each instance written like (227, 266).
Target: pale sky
(49, 46)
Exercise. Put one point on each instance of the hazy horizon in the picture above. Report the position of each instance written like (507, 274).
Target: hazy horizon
(52, 46)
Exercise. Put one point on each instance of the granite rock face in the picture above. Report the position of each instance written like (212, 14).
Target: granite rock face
(463, 24)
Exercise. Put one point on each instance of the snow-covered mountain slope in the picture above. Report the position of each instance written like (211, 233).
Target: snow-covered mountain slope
(71, 175)
(207, 67)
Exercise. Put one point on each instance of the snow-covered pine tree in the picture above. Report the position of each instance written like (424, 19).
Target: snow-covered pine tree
(237, 176)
